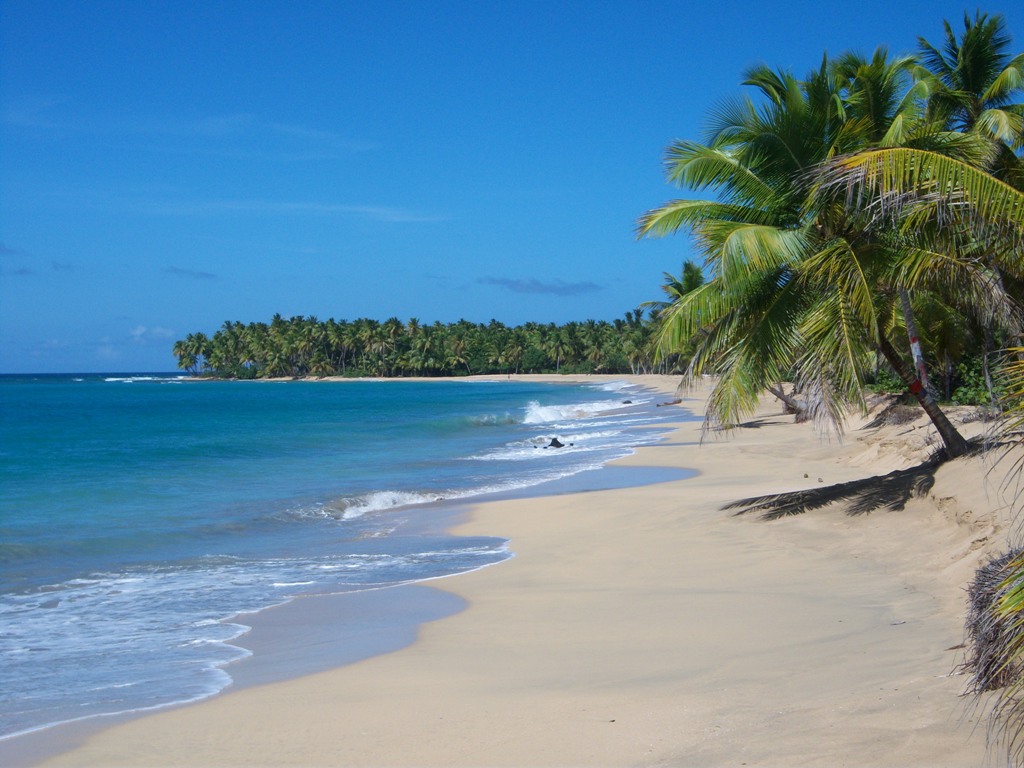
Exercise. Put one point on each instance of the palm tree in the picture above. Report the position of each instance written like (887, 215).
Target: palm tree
(975, 80)
(799, 283)
(744, 318)
(967, 226)
(690, 279)
(513, 351)
(187, 359)
(457, 353)
(199, 349)
(556, 345)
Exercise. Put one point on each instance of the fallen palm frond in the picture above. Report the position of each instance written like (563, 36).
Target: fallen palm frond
(995, 638)
(990, 633)
(895, 414)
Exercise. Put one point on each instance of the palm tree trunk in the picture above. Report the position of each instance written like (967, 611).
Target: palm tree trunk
(800, 409)
(947, 375)
(990, 346)
(915, 344)
(954, 442)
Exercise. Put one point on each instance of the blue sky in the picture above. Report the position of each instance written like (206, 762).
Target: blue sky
(168, 166)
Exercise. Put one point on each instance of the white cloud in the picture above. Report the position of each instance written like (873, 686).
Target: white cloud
(107, 351)
(141, 333)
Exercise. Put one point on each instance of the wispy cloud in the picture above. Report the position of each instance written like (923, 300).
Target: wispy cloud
(19, 271)
(375, 212)
(30, 113)
(106, 350)
(27, 271)
(191, 274)
(288, 208)
(330, 138)
(53, 114)
(533, 285)
(142, 333)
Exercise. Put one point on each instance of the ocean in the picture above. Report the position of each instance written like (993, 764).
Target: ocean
(139, 515)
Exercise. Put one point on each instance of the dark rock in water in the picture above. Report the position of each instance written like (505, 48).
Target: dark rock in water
(627, 402)
(555, 443)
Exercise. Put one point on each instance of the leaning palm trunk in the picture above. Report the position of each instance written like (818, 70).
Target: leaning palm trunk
(915, 342)
(953, 441)
(796, 406)
(986, 369)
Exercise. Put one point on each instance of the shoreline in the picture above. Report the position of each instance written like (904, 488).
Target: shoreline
(393, 624)
(647, 626)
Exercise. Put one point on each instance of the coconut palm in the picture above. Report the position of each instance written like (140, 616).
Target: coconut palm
(187, 359)
(968, 221)
(800, 283)
(457, 354)
(674, 287)
(975, 85)
(746, 316)
(975, 81)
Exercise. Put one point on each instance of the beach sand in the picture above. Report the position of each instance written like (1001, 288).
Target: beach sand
(647, 626)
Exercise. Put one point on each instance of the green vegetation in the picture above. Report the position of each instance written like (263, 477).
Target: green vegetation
(810, 274)
(305, 346)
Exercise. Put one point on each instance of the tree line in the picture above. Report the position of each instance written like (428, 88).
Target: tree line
(305, 346)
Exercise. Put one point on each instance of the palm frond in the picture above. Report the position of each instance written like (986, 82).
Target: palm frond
(836, 265)
(678, 215)
(935, 60)
(737, 250)
(963, 272)
(834, 357)
(773, 84)
(996, 636)
(697, 166)
(1001, 125)
(1007, 82)
(727, 122)
(892, 179)
(704, 311)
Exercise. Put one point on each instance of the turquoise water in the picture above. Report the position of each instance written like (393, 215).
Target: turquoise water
(138, 515)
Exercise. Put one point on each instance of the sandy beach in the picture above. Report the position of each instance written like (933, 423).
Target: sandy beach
(648, 626)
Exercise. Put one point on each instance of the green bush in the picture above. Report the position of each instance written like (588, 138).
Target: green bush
(971, 389)
(886, 381)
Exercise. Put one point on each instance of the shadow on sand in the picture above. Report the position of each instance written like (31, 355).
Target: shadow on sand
(891, 491)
